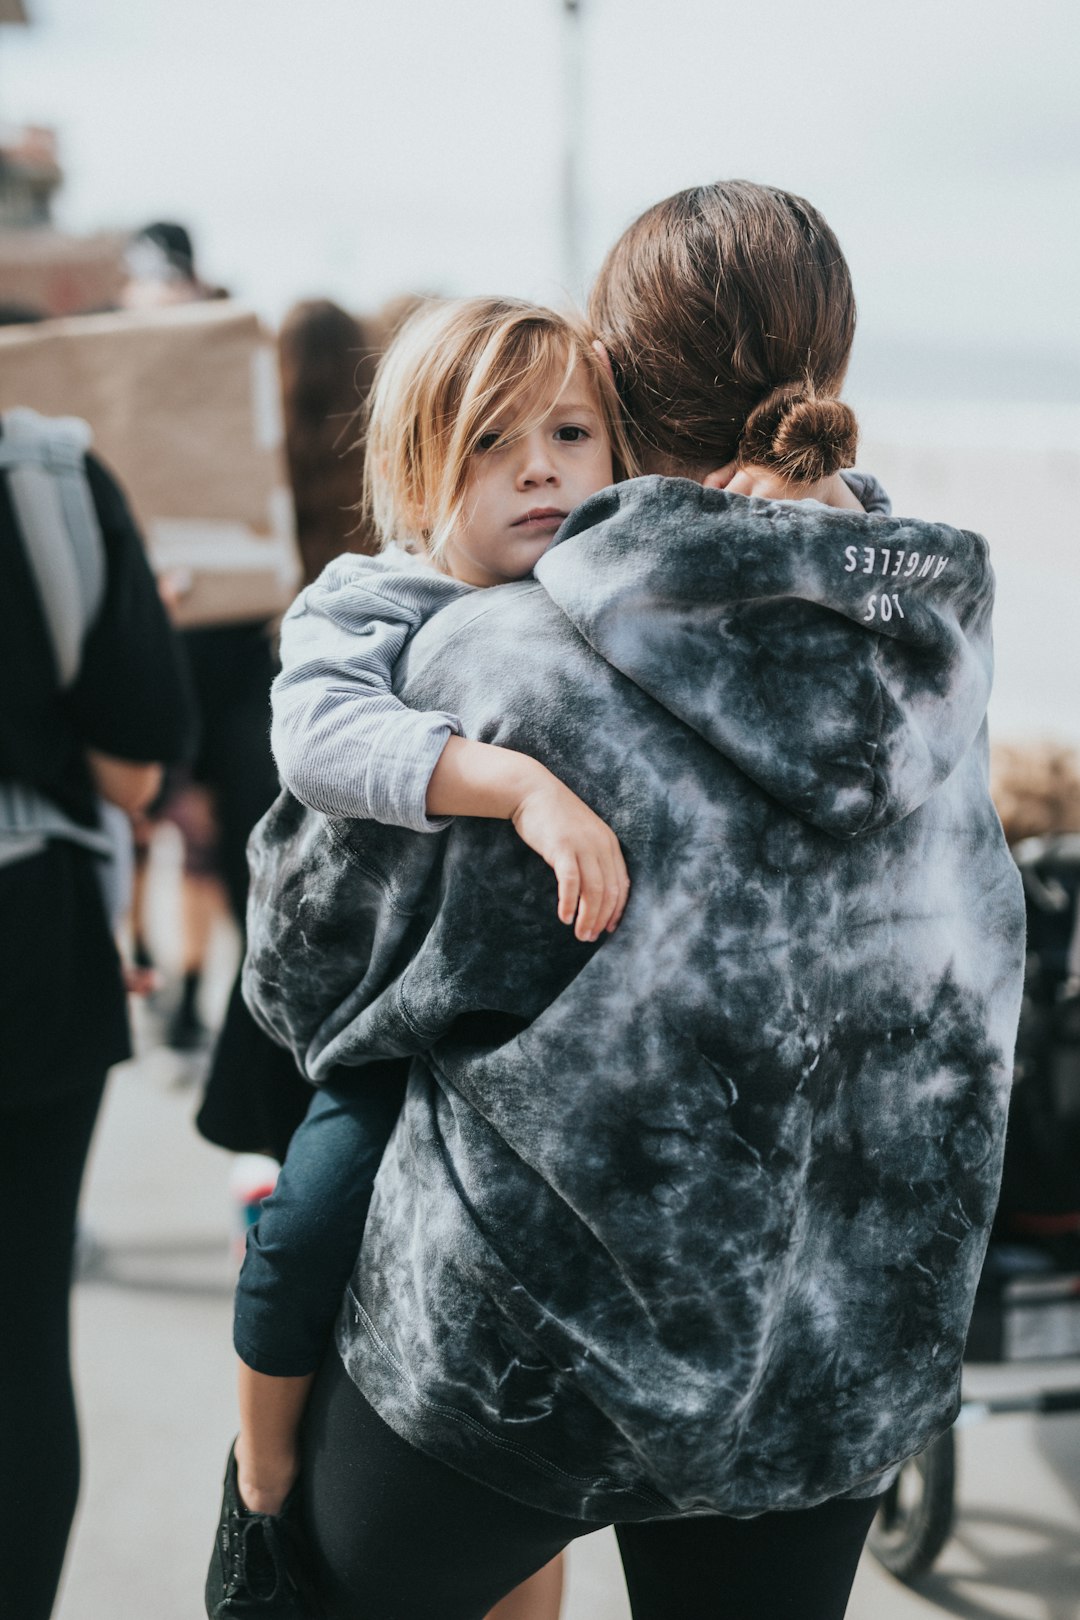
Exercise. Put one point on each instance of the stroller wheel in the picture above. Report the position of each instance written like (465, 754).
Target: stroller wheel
(915, 1518)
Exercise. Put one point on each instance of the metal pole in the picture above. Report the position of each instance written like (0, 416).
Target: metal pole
(573, 127)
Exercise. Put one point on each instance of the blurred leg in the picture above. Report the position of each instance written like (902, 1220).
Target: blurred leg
(43, 1152)
(190, 808)
(203, 902)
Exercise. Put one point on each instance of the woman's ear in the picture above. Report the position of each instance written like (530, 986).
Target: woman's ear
(721, 477)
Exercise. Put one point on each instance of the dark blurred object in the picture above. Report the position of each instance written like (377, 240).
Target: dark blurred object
(30, 175)
(19, 315)
(172, 247)
(1036, 788)
(161, 270)
(1040, 1191)
(255, 1095)
(1026, 1305)
(327, 359)
(232, 667)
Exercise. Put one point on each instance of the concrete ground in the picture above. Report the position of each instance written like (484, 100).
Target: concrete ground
(155, 1377)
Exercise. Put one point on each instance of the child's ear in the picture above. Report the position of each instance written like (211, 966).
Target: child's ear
(721, 477)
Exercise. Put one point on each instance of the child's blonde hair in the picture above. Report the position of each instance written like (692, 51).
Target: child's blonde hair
(457, 370)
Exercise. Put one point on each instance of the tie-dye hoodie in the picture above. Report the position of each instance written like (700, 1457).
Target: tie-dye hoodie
(689, 1220)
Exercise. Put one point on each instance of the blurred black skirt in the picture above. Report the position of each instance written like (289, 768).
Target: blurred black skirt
(255, 1095)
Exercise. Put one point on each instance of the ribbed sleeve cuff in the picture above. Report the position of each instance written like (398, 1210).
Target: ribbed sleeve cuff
(377, 771)
(398, 785)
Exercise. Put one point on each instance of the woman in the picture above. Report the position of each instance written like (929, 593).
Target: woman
(679, 1232)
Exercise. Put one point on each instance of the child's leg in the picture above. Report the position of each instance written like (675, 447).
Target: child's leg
(299, 1258)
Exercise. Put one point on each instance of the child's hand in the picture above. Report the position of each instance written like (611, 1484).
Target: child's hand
(770, 486)
(479, 779)
(581, 850)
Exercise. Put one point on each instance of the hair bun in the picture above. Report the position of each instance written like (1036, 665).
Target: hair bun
(800, 434)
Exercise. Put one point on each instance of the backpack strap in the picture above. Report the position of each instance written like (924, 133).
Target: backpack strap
(44, 459)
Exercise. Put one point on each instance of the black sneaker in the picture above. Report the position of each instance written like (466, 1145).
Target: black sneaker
(260, 1566)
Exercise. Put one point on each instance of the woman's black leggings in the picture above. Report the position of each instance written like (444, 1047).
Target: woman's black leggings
(43, 1148)
(402, 1537)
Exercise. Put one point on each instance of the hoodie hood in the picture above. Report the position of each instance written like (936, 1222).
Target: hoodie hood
(843, 662)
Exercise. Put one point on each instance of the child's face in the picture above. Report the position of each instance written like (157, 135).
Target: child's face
(518, 494)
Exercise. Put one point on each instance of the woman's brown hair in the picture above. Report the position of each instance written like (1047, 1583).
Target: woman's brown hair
(327, 361)
(728, 314)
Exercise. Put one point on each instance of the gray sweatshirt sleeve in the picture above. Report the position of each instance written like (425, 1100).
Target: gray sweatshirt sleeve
(344, 744)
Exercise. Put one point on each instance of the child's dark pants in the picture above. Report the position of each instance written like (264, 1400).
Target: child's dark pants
(301, 1253)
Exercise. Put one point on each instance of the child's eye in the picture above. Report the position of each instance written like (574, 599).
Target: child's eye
(486, 441)
(571, 434)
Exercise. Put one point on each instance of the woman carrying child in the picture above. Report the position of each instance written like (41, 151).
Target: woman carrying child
(678, 1230)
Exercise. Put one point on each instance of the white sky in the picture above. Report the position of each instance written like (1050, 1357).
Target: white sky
(355, 149)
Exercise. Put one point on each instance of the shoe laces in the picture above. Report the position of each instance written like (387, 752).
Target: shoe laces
(256, 1560)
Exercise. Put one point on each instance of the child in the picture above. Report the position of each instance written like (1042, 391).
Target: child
(489, 422)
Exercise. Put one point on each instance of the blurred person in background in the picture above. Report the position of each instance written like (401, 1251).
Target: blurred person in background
(255, 1096)
(327, 361)
(100, 729)
(216, 800)
(160, 263)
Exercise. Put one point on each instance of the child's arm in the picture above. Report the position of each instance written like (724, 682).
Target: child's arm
(346, 745)
(475, 779)
(343, 742)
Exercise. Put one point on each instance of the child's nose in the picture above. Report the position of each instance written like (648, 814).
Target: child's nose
(537, 467)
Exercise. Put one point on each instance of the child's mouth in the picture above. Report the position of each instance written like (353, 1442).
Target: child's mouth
(546, 518)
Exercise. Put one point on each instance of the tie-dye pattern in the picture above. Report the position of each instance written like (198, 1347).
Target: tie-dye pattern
(689, 1220)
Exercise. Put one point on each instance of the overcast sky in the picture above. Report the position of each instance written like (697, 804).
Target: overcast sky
(355, 149)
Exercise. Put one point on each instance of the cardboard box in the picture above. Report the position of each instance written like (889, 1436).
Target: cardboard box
(185, 408)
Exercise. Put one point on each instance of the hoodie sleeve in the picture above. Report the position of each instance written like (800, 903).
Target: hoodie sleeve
(343, 742)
